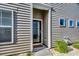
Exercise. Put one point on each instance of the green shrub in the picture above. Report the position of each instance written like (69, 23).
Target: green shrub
(61, 46)
(76, 44)
(29, 53)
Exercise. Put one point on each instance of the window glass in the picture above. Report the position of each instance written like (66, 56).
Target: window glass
(71, 23)
(62, 22)
(6, 13)
(5, 22)
(6, 17)
(5, 34)
(77, 23)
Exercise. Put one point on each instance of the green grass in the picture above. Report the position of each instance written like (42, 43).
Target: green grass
(61, 46)
(76, 44)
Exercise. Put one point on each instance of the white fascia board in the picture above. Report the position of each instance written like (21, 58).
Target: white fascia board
(41, 6)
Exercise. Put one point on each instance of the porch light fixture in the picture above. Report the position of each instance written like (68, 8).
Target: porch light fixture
(52, 9)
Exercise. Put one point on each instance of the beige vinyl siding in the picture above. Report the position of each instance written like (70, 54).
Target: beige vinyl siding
(45, 29)
(22, 29)
(38, 14)
(42, 14)
(67, 11)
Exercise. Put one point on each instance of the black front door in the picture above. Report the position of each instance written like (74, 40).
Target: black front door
(36, 31)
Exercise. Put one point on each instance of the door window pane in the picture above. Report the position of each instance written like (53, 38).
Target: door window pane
(5, 34)
(35, 30)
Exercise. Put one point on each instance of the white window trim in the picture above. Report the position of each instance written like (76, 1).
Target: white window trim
(12, 27)
(69, 23)
(64, 22)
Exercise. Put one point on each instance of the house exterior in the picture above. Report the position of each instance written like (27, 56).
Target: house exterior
(24, 25)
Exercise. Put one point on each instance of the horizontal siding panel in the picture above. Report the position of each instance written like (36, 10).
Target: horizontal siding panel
(12, 51)
(27, 24)
(24, 42)
(66, 11)
(14, 48)
(14, 45)
(23, 23)
(16, 5)
(20, 17)
(23, 33)
(21, 10)
(24, 16)
(22, 29)
(8, 7)
(24, 12)
(24, 20)
(15, 53)
(24, 4)
(22, 37)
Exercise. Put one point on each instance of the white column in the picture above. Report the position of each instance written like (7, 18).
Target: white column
(31, 44)
(49, 28)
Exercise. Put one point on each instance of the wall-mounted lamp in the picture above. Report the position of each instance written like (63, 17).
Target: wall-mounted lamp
(52, 9)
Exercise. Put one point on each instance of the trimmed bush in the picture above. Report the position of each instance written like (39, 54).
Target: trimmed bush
(29, 53)
(76, 44)
(61, 46)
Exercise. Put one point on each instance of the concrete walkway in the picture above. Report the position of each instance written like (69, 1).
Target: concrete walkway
(42, 51)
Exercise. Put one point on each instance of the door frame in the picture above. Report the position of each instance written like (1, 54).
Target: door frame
(43, 7)
(41, 30)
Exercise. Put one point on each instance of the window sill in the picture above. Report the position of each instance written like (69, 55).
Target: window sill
(6, 43)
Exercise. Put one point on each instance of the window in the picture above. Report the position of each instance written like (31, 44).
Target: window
(71, 23)
(6, 26)
(77, 23)
(62, 22)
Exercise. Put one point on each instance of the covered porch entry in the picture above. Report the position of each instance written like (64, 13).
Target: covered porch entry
(41, 26)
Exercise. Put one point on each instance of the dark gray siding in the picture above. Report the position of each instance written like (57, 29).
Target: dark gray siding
(22, 29)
